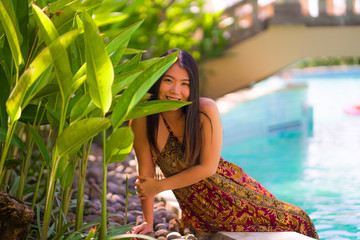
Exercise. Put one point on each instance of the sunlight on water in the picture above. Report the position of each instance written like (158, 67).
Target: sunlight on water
(321, 173)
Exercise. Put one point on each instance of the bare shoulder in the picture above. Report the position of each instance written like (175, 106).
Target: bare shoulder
(138, 123)
(209, 108)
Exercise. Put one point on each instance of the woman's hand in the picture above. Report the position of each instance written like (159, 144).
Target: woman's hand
(143, 228)
(147, 187)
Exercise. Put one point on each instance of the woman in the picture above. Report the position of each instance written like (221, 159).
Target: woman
(214, 195)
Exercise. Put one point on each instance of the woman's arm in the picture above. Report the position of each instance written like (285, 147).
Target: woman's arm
(209, 156)
(146, 168)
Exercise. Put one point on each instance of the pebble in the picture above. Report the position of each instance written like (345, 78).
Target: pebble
(173, 235)
(161, 233)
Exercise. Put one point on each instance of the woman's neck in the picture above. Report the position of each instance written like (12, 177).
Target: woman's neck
(173, 115)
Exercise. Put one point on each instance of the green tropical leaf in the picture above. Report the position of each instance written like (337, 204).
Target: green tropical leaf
(61, 63)
(37, 86)
(11, 35)
(119, 142)
(83, 107)
(130, 65)
(102, 19)
(68, 176)
(10, 10)
(152, 107)
(100, 72)
(137, 89)
(35, 69)
(131, 51)
(79, 132)
(121, 81)
(15, 141)
(116, 47)
(4, 94)
(40, 144)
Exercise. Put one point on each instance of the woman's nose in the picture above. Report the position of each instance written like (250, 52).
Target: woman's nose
(174, 88)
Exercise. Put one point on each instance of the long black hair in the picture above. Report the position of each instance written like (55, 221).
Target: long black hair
(192, 135)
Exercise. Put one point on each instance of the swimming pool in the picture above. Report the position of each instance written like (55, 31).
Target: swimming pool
(318, 172)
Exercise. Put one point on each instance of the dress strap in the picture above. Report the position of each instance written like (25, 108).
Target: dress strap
(167, 126)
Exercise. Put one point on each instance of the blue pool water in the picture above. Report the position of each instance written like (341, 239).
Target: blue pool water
(321, 172)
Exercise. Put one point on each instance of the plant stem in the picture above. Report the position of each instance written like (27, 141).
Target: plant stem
(81, 187)
(37, 186)
(52, 181)
(126, 199)
(25, 167)
(8, 138)
(103, 230)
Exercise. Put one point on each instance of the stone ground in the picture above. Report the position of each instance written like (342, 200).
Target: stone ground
(166, 222)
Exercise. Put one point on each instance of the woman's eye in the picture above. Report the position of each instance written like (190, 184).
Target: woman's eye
(186, 84)
(167, 80)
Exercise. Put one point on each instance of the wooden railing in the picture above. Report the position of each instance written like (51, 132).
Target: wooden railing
(248, 18)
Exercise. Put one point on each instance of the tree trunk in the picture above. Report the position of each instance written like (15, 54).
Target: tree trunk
(15, 218)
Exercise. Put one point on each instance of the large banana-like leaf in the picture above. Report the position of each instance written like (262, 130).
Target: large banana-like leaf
(35, 69)
(77, 133)
(85, 105)
(137, 89)
(117, 45)
(37, 86)
(11, 35)
(102, 19)
(61, 64)
(130, 65)
(119, 142)
(100, 72)
(152, 107)
(67, 178)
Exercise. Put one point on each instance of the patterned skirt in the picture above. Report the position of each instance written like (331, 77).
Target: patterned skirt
(232, 201)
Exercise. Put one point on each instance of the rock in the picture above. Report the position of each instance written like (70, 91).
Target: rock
(90, 217)
(190, 237)
(118, 218)
(170, 215)
(138, 220)
(173, 235)
(159, 204)
(161, 226)
(129, 170)
(136, 212)
(187, 231)
(161, 233)
(131, 218)
(111, 209)
(174, 225)
(95, 192)
(119, 168)
(118, 207)
(161, 238)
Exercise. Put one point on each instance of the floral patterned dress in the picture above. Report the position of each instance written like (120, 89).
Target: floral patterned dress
(230, 200)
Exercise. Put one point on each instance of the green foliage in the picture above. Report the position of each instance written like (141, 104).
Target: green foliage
(62, 84)
(170, 24)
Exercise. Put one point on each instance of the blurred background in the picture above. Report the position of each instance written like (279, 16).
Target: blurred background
(286, 78)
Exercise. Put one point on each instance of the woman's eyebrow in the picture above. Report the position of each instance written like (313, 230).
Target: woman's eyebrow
(185, 79)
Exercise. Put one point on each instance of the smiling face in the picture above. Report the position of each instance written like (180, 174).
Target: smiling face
(175, 84)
